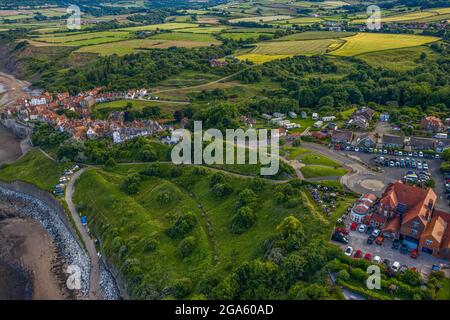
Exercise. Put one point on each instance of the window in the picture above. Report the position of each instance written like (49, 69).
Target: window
(415, 224)
(428, 243)
(414, 232)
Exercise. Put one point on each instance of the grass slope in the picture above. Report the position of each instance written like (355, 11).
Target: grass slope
(34, 168)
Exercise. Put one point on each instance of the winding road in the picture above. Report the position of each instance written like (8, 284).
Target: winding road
(94, 287)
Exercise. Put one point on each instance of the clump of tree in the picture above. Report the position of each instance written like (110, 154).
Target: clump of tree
(187, 246)
(182, 226)
(131, 183)
(243, 220)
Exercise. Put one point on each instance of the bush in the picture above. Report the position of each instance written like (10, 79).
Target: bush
(184, 224)
(222, 190)
(150, 244)
(181, 288)
(131, 183)
(216, 178)
(187, 246)
(343, 275)
(243, 220)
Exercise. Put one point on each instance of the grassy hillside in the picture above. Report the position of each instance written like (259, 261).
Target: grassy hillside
(135, 228)
(34, 168)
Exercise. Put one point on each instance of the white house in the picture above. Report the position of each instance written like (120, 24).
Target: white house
(328, 119)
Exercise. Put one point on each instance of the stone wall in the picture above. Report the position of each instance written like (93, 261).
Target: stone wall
(20, 130)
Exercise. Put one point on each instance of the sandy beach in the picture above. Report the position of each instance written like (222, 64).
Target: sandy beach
(26, 245)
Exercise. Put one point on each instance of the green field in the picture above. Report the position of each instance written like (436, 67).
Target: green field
(300, 20)
(167, 108)
(261, 19)
(130, 46)
(293, 152)
(78, 36)
(262, 58)
(242, 35)
(162, 26)
(183, 36)
(312, 171)
(306, 47)
(318, 159)
(202, 30)
(34, 168)
(371, 42)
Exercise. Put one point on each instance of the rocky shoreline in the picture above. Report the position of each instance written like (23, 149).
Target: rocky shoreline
(67, 245)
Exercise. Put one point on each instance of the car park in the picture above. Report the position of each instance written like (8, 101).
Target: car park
(348, 251)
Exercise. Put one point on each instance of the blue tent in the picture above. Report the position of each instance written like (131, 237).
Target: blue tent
(83, 220)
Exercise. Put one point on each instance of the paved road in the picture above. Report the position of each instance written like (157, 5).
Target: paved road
(358, 172)
(94, 287)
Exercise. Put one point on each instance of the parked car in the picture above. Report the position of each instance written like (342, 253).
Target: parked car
(421, 154)
(342, 230)
(377, 259)
(379, 241)
(348, 251)
(369, 229)
(368, 257)
(354, 226)
(403, 249)
(387, 262)
(414, 254)
(395, 244)
(362, 228)
(358, 254)
(395, 266)
(371, 239)
(339, 237)
(425, 166)
(376, 232)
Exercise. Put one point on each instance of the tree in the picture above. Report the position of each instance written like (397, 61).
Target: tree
(110, 163)
(343, 275)
(243, 220)
(187, 247)
(183, 225)
(246, 198)
(131, 183)
(222, 190)
(310, 292)
(290, 233)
